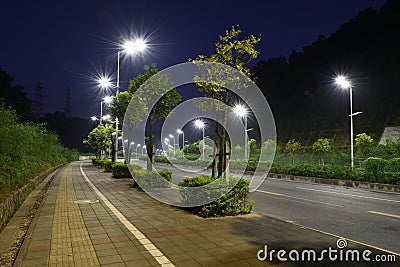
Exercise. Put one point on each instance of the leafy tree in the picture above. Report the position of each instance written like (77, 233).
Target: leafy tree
(364, 144)
(237, 52)
(100, 138)
(321, 147)
(292, 147)
(237, 152)
(155, 86)
(14, 96)
(253, 148)
(268, 148)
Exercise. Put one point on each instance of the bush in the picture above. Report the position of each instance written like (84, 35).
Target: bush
(166, 174)
(232, 203)
(151, 179)
(107, 165)
(393, 165)
(121, 170)
(375, 167)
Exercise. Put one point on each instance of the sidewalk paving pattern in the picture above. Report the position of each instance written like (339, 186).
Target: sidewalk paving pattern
(75, 227)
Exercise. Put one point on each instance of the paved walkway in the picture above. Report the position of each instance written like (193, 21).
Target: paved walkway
(91, 219)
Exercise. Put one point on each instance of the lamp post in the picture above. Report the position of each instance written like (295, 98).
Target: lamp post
(138, 145)
(179, 131)
(173, 137)
(200, 125)
(346, 84)
(241, 111)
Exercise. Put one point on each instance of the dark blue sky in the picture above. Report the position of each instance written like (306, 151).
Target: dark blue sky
(62, 43)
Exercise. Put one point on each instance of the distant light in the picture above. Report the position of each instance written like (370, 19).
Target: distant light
(343, 82)
(144, 146)
(138, 145)
(179, 131)
(119, 137)
(240, 110)
(171, 136)
(199, 123)
(106, 117)
(166, 139)
(107, 99)
(132, 143)
(94, 118)
(126, 141)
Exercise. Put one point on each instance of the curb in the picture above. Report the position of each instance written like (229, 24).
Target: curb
(338, 182)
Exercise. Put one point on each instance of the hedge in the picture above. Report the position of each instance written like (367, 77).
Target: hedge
(232, 203)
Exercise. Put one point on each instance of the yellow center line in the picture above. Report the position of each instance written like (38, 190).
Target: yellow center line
(385, 214)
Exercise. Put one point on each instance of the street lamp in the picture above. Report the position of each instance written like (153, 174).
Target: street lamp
(138, 145)
(173, 137)
(200, 125)
(346, 84)
(179, 131)
(143, 148)
(241, 111)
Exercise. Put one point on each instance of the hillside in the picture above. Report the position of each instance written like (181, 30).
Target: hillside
(301, 92)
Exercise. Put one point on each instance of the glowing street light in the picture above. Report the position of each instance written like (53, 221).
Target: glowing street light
(93, 118)
(137, 146)
(179, 131)
(173, 137)
(241, 111)
(200, 125)
(143, 148)
(344, 83)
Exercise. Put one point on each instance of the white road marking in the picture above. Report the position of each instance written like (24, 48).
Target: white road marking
(298, 198)
(346, 194)
(153, 250)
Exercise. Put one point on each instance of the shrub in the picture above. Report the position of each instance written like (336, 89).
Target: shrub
(166, 174)
(151, 179)
(121, 170)
(232, 203)
(393, 165)
(107, 165)
(375, 167)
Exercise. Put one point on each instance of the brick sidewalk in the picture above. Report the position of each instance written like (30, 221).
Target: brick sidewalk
(138, 230)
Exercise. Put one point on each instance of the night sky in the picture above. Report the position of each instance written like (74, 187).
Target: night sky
(63, 43)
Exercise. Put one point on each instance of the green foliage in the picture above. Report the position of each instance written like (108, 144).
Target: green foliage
(100, 138)
(292, 147)
(364, 144)
(321, 147)
(253, 148)
(26, 149)
(107, 165)
(232, 203)
(375, 166)
(268, 148)
(166, 174)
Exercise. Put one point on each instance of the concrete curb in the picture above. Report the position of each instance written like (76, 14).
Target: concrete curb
(338, 182)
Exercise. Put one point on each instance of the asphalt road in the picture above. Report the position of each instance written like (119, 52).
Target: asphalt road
(369, 217)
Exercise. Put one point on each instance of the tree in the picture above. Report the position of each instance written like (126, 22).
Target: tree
(253, 148)
(14, 96)
(268, 148)
(100, 138)
(292, 147)
(364, 144)
(321, 147)
(154, 86)
(237, 52)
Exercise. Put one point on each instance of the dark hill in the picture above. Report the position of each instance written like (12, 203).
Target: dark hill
(301, 92)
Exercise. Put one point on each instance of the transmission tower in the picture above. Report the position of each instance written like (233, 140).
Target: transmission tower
(37, 105)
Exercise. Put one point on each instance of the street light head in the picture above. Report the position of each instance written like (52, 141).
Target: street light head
(179, 131)
(166, 139)
(343, 82)
(132, 143)
(107, 99)
(119, 137)
(199, 124)
(93, 118)
(104, 82)
(171, 136)
(106, 117)
(240, 110)
(126, 141)
(131, 47)
(138, 145)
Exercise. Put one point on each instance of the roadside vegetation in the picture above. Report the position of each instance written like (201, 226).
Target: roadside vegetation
(26, 150)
